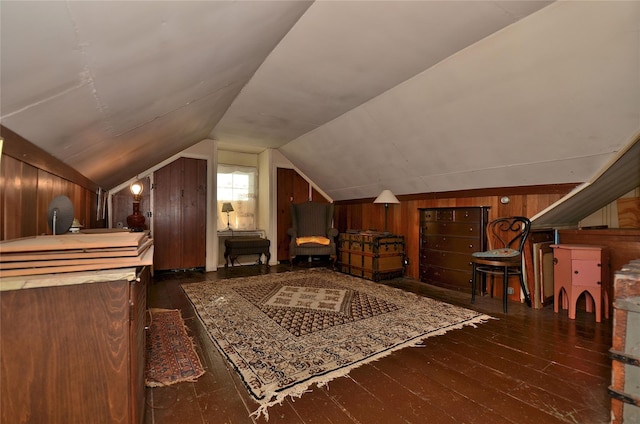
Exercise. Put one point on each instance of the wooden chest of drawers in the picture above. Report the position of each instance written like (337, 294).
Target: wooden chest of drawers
(371, 255)
(448, 236)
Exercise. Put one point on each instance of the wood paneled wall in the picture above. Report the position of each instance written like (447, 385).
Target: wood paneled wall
(29, 179)
(404, 218)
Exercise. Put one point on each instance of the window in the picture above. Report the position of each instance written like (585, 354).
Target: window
(237, 185)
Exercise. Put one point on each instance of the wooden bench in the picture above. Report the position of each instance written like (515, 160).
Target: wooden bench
(235, 247)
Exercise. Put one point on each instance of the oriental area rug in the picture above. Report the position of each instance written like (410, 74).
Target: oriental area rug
(285, 332)
(171, 356)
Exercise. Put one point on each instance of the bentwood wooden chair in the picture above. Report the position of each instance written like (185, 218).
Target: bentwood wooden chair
(506, 239)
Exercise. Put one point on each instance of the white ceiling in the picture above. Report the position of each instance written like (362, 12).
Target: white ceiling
(413, 96)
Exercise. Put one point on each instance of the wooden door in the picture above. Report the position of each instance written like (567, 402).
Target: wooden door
(292, 188)
(180, 215)
(194, 213)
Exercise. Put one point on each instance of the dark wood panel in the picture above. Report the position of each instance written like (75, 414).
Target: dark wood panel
(26, 192)
(194, 206)
(284, 198)
(23, 150)
(28, 209)
(64, 354)
(180, 214)
(19, 190)
(167, 231)
(50, 186)
(317, 197)
(300, 188)
(137, 340)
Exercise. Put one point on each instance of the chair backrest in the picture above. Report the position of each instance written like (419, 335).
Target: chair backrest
(508, 232)
(311, 218)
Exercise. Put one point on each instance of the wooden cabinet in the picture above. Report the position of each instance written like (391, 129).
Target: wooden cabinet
(179, 214)
(448, 237)
(72, 348)
(371, 255)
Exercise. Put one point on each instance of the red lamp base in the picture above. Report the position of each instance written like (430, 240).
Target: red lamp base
(136, 220)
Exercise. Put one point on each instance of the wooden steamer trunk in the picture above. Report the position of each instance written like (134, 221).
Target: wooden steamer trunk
(625, 350)
(372, 255)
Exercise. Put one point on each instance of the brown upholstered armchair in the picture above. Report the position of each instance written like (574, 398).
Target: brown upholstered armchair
(311, 231)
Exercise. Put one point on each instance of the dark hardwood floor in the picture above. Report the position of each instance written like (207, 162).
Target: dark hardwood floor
(530, 366)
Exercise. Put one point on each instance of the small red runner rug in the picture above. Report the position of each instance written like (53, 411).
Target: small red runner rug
(171, 356)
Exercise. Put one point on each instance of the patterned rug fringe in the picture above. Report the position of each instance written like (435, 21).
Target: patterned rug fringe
(322, 381)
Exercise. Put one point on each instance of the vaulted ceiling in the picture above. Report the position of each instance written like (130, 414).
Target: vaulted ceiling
(412, 96)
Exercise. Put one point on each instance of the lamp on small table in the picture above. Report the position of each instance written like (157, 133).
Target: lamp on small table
(226, 207)
(386, 197)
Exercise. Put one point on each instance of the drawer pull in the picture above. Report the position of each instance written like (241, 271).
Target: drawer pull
(575, 272)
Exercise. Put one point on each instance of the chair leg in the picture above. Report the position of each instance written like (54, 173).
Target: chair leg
(473, 282)
(491, 289)
(525, 290)
(505, 289)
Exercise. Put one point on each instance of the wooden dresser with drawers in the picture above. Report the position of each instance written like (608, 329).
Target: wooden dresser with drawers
(448, 236)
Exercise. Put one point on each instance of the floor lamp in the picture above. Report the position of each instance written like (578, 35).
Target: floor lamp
(386, 197)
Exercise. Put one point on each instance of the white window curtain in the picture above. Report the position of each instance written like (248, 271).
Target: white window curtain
(237, 185)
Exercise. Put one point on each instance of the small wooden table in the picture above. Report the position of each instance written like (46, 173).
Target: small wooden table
(235, 247)
(578, 269)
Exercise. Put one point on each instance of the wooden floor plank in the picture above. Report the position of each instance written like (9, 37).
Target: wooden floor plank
(520, 382)
(529, 366)
(410, 370)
